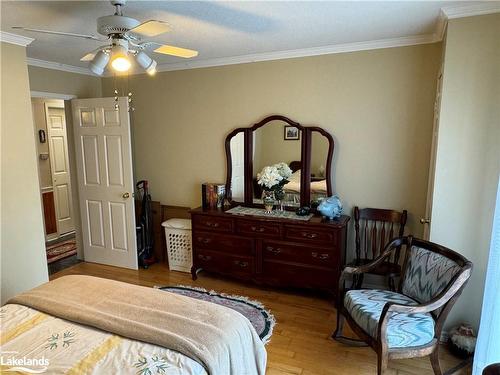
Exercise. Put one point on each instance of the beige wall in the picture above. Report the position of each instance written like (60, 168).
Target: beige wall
(377, 104)
(59, 82)
(23, 261)
(468, 151)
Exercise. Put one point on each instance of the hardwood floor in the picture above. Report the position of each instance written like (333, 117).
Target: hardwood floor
(301, 342)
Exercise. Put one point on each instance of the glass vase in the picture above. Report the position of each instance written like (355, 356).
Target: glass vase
(268, 200)
(280, 195)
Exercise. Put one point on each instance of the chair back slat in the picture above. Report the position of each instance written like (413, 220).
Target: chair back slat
(374, 239)
(366, 239)
(374, 229)
(382, 239)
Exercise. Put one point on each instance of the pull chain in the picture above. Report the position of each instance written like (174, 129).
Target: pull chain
(124, 89)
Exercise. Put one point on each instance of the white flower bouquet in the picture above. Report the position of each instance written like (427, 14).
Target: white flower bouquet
(274, 177)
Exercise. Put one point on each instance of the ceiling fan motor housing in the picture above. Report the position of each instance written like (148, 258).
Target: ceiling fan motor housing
(115, 24)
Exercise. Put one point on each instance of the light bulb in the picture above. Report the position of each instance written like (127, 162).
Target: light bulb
(119, 57)
(120, 64)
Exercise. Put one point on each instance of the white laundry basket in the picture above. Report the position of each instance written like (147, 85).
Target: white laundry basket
(179, 249)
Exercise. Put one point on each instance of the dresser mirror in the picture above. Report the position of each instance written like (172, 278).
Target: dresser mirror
(320, 158)
(273, 143)
(237, 154)
(307, 150)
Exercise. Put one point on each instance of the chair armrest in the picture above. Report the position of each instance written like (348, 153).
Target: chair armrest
(453, 289)
(434, 303)
(388, 250)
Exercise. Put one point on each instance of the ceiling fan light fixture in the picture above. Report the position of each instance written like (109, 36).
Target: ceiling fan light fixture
(152, 69)
(98, 64)
(146, 62)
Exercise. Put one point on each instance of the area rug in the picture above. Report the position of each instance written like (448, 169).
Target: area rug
(61, 250)
(261, 318)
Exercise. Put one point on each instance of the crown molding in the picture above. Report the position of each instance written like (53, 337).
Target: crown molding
(59, 66)
(51, 95)
(18, 40)
(305, 52)
(441, 24)
(471, 10)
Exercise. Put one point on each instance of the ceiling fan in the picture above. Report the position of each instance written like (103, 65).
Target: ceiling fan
(125, 38)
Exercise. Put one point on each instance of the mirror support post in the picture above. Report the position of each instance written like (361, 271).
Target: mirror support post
(248, 166)
(305, 176)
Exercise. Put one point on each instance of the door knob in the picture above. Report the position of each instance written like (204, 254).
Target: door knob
(126, 195)
(425, 221)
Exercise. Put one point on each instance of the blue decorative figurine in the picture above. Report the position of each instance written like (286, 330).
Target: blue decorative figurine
(331, 207)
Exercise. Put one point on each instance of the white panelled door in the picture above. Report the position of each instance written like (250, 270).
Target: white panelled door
(105, 181)
(59, 166)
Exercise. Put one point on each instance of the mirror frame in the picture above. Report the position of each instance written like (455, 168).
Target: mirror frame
(305, 153)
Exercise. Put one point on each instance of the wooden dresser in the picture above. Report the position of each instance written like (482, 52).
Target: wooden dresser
(278, 252)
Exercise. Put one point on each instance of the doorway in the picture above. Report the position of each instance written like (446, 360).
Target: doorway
(54, 174)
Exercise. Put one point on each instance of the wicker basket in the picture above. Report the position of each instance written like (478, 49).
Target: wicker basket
(179, 249)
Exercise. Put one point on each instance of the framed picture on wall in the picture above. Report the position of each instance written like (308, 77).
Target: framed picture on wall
(291, 133)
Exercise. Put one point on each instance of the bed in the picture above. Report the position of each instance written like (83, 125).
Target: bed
(87, 325)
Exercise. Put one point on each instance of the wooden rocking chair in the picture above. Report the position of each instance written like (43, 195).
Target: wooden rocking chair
(408, 322)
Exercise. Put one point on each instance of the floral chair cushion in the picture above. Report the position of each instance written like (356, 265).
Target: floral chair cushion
(427, 274)
(403, 330)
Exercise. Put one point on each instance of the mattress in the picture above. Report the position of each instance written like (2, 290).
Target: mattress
(62, 346)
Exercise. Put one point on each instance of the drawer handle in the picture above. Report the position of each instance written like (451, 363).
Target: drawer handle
(204, 240)
(240, 263)
(309, 235)
(320, 256)
(204, 257)
(274, 250)
(211, 224)
(259, 229)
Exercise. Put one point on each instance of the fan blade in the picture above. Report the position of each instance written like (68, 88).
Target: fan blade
(57, 33)
(151, 28)
(176, 51)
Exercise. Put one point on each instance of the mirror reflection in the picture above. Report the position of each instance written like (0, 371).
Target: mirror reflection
(237, 146)
(319, 162)
(277, 142)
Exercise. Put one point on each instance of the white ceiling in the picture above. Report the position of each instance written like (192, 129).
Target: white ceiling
(222, 30)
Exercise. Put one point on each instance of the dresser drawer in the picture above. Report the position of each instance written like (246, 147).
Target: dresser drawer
(300, 276)
(309, 235)
(223, 242)
(213, 223)
(259, 229)
(240, 266)
(280, 251)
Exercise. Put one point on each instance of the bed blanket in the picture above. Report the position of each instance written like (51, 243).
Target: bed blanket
(220, 339)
